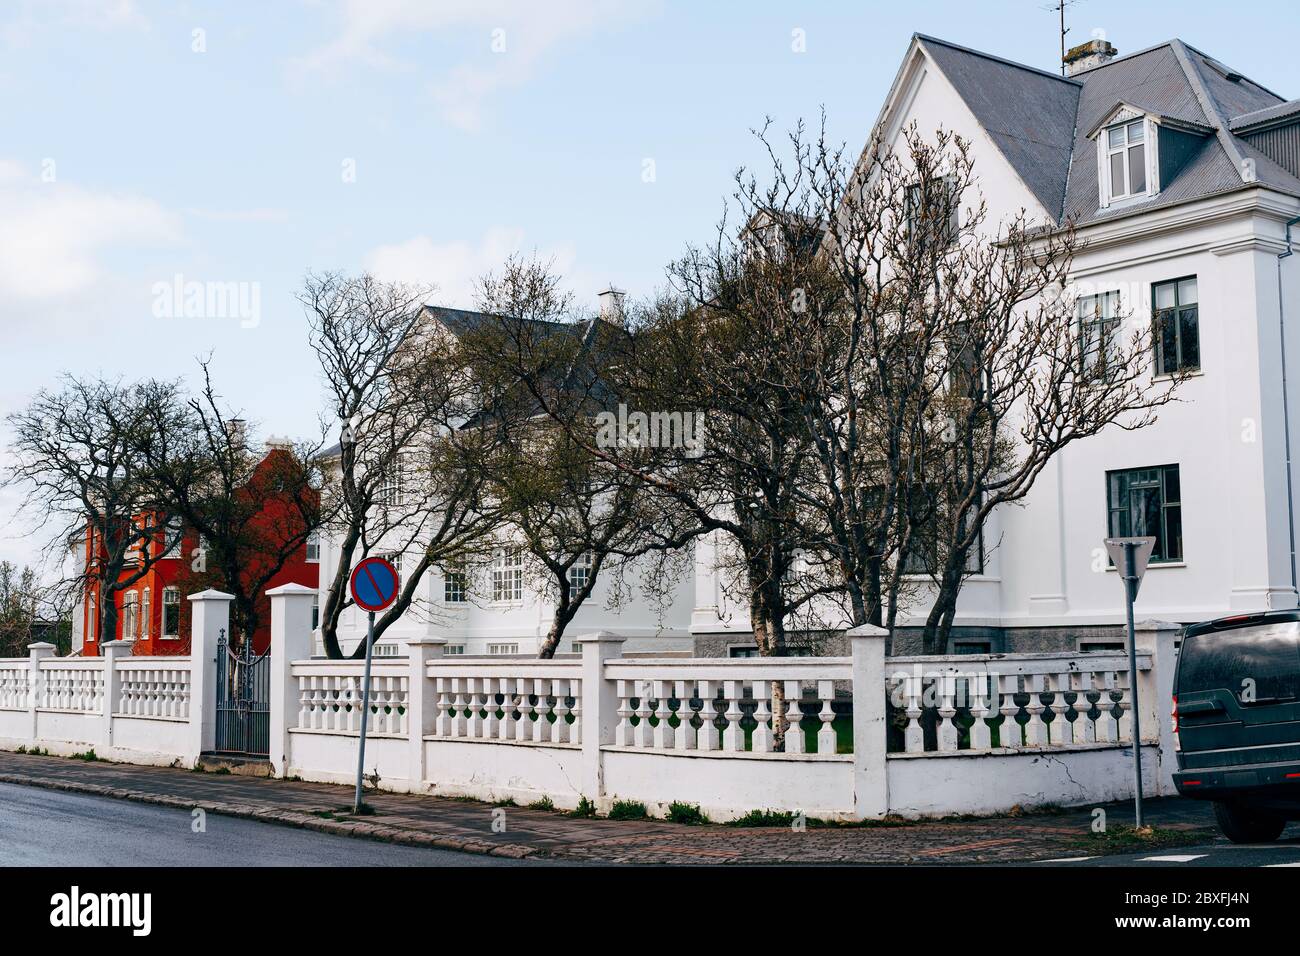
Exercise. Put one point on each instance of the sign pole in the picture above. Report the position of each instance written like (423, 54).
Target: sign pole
(1130, 592)
(365, 707)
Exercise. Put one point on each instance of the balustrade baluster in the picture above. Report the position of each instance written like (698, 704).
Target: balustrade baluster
(914, 735)
(826, 736)
(1084, 730)
(1009, 734)
(981, 736)
(642, 735)
(560, 727)
(623, 732)
(794, 742)
(663, 732)
(685, 738)
(1059, 730)
(707, 738)
(947, 729)
(1106, 726)
(1036, 727)
(761, 741)
(541, 710)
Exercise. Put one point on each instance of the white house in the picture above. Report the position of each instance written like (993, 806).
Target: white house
(503, 609)
(1181, 176)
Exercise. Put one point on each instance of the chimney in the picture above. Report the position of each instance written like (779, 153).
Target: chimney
(611, 305)
(276, 443)
(237, 433)
(1087, 55)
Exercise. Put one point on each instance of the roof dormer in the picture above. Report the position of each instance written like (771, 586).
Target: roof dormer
(1139, 153)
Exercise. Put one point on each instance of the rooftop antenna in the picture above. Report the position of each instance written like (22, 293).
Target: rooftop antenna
(1059, 7)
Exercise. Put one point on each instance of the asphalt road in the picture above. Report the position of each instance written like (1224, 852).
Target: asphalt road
(1283, 853)
(40, 827)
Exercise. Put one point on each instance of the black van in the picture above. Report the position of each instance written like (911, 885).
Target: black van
(1237, 721)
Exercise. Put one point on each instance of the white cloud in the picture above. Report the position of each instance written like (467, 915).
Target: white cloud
(505, 41)
(453, 267)
(30, 17)
(53, 236)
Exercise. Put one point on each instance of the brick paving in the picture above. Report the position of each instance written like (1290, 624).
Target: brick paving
(467, 825)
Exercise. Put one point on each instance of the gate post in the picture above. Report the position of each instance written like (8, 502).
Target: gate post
(870, 764)
(599, 709)
(36, 653)
(290, 641)
(113, 652)
(209, 616)
(421, 704)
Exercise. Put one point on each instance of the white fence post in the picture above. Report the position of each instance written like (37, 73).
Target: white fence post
(113, 652)
(35, 682)
(421, 704)
(290, 641)
(870, 770)
(209, 616)
(599, 708)
(1156, 692)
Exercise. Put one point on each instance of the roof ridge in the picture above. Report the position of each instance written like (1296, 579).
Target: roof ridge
(1209, 106)
(995, 58)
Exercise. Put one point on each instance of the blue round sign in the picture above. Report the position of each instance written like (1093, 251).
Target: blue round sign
(374, 584)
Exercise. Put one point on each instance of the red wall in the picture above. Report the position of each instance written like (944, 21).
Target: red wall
(167, 572)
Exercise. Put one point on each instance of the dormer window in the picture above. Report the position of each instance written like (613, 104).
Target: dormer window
(1126, 159)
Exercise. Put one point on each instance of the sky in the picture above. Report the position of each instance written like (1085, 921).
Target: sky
(146, 146)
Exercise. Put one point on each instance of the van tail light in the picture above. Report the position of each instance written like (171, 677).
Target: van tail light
(1174, 715)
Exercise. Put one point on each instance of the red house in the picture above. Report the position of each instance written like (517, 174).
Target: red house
(153, 611)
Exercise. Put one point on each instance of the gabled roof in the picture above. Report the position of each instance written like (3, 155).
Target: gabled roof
(1033, 128)
(1042, 122)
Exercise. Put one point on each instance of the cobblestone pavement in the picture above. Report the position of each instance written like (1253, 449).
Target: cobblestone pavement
(467, 825)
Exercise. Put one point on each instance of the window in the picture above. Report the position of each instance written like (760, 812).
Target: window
(315, 611)
(502, 649)
(508, 576)
(92, 625)
(1126, 159)
(1098, 332)
(1176, 332)
(313, 547)
(129, 615)
(171, 613)
(932, 209)
(747, 650)
(172, 532)
(146, 609)
(455, 586)
(389, 492)
(579, 575)
(1146, 502)
(454, 650)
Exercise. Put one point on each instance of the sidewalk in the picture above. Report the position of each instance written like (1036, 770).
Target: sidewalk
(465, 825)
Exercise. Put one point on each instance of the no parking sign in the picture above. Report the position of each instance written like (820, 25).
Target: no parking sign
(374, 584)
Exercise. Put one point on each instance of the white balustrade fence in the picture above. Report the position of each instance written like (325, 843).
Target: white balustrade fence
(841, 738)
(330, 697)
(1022, 701)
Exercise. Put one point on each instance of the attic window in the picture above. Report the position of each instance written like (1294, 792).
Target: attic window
(1126, 159)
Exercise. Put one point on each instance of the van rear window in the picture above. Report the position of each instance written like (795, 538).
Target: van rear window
(1267, 654)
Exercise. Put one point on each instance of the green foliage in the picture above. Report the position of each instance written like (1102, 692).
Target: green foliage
(585, 808)
(765, 818)
(688, 813)
(542, 804)
(627, 810)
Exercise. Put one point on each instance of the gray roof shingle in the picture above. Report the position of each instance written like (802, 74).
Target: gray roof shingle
(1040, 122)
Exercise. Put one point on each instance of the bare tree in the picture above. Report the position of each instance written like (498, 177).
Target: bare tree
(406, 475)
(81, 457)
(252, 512)
(576, 515)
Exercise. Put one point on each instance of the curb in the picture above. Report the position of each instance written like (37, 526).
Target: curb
(293, 818)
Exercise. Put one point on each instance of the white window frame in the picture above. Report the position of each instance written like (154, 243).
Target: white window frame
(173, 526)
(146, 609)
(130, 614)
(508, 576)
(453, 650)
(502, 649)
(162, 623)
(455, 581)
(579, 574)
(1126, 121)
(312, 547)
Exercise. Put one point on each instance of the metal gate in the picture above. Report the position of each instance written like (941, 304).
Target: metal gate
(243, 699)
